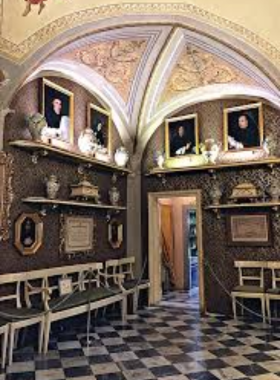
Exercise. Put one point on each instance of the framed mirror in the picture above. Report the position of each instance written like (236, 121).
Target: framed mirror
(28, 233)
(6, 194)
(115, 233)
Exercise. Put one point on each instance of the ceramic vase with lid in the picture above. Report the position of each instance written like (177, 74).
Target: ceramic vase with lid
(274, 192)
(114, 196)
(86, 142)
(216, 195)
(121, 157)
(52, 186)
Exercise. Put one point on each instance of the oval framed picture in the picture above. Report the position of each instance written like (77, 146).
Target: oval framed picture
(28, 233)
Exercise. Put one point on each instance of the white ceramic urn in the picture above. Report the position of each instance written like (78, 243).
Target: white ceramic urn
(52, 186)
(121, 157)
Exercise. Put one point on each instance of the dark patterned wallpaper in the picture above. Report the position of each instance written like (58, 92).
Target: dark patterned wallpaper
(29, 180)
(218, 255)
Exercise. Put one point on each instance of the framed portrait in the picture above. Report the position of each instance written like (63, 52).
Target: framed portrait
(57, 105)
(181, 136)
(100, 121)
(115, 233)
(77, 235)
(243, 127)
(249, 229)
(28, 233)
(6, 194)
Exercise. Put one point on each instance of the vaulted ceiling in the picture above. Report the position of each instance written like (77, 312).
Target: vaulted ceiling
(145, 61)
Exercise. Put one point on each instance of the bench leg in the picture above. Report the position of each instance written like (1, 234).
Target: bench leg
(4, 348)
(47, 329)
(268, 310)
(135, 301)
(41, 336)
(263, 310)
(11, 344)
(234, 307)
(124, 309)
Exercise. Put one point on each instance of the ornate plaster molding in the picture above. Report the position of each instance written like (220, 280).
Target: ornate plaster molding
(18, 52)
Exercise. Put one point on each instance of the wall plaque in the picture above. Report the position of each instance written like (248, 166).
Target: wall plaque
(77, 235)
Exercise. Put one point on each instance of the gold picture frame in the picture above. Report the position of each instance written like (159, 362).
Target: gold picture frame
(250, 114)
(187, 122)
(6, 194)
(28, 233)
(49, 92)
(97, 115)
(77, 235)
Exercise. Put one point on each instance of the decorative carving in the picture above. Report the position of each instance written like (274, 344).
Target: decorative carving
(116, 61)
(19, 51)
(6, 194)
(197, 68)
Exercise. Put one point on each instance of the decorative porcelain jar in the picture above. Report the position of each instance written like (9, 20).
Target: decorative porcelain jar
(274, 192)
(216, 195)
(210, 151)
(114, 196)
(36, 123)
(52, 186)
(86, 142)
(121, 157)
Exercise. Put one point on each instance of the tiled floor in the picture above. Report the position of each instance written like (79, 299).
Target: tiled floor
(182, 299)
(159, 343)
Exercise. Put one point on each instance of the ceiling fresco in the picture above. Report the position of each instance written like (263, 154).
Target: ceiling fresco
(197, 68)
(116, 61)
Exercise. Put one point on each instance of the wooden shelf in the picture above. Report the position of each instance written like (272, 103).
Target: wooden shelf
(243, 205)
(40, 201)
(269, 162)
(39, 149)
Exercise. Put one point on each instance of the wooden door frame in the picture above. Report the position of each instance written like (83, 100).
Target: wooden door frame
(154, 252)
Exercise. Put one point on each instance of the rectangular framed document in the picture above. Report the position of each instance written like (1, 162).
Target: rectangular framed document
(77, 234)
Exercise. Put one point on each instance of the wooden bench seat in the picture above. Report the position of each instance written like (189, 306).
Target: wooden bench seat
(34, 297)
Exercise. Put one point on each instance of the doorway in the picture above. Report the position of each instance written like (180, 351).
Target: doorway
(175, 244)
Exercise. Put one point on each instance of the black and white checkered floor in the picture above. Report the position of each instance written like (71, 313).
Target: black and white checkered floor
(160, 343)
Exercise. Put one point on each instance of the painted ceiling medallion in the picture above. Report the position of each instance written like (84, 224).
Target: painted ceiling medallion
(197, 68)
(116, 61)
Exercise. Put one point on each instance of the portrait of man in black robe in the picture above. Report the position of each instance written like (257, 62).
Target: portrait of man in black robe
(182, 137)
(244, 129)
(57, 110)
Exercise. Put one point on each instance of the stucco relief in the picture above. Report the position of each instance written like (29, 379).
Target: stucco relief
(197, 68)
(116, 61)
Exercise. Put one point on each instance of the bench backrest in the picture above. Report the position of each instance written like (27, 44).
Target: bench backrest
(274, 266)
(251, 272)
(46, 281)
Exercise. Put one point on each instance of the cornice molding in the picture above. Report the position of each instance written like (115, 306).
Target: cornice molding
(19, 52)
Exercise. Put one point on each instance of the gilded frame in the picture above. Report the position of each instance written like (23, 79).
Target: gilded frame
(246, 107)
(94, 108)
(83, 224)
(37, 234)
(115, 237)
(64, 91)
(167, 135)
(6, 194)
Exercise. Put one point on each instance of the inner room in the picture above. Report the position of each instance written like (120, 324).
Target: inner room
(139, 190)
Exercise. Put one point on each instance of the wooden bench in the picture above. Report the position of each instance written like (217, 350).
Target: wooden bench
(132, 285)
(45, 301)
(251, 284)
